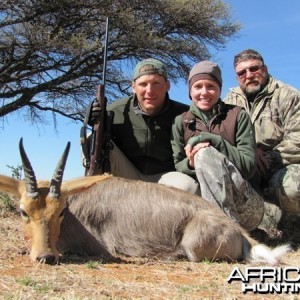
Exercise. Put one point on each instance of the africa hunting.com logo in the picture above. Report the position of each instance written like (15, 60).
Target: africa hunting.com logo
(267, 280)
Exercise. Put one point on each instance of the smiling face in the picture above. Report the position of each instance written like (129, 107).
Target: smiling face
(151, 91)
(205, 93)
(252, 76)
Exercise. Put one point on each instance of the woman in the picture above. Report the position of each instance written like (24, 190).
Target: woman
(214, 143)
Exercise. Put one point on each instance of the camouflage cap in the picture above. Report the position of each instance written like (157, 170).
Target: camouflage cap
(149, 66)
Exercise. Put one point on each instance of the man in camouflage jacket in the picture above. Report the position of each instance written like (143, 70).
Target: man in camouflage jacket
(274, 108)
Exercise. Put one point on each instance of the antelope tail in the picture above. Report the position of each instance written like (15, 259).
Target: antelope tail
(261, 253)
(255, 252)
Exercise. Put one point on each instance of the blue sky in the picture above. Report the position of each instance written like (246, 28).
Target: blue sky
(269, 26)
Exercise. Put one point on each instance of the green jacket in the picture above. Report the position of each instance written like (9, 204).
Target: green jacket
(275, 113)
(242, 154)
(144, 139)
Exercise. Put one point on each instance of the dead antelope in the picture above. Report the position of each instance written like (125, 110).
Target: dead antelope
(106, 215)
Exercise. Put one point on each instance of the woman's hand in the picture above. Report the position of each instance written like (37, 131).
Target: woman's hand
(191, 151)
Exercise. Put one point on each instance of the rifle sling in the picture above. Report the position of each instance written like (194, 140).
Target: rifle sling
(83, 137)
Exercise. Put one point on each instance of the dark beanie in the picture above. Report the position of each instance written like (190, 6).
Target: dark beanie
(205, 70)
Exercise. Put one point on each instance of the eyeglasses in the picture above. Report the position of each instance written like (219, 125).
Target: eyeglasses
(252, 69)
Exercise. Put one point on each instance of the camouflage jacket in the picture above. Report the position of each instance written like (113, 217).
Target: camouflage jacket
(275, 113)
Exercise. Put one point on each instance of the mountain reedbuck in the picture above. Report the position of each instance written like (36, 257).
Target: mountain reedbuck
(105, 215)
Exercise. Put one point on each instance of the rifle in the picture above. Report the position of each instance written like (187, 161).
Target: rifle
(96, 150)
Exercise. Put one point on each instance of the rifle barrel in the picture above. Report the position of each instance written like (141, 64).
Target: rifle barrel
(105, 53)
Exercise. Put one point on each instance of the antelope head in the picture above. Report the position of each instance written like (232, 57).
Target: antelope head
(43, 204)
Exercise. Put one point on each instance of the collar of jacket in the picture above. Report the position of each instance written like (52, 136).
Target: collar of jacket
(206, 116)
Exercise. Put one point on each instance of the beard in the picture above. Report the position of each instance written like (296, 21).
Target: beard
(251, 91)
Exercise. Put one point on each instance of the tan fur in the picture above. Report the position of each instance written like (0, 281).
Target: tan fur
(105, 215)
(42, 215)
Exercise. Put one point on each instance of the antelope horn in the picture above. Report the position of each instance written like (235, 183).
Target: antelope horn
(30, 180)
(57, 177)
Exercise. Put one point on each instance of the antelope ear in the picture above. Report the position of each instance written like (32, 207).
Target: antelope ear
(12, 186)
(77, 185)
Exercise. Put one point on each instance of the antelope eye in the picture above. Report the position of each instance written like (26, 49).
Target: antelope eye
(62, 214)
(24, 215)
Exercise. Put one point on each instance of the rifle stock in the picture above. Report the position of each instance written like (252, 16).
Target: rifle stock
(97, 134)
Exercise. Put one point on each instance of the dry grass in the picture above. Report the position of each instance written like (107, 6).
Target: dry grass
(90, 278)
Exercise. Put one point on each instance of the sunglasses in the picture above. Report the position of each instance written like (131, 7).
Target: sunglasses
(252, 69)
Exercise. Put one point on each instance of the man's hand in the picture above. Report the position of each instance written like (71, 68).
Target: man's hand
(94, 113)
(261, 162)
